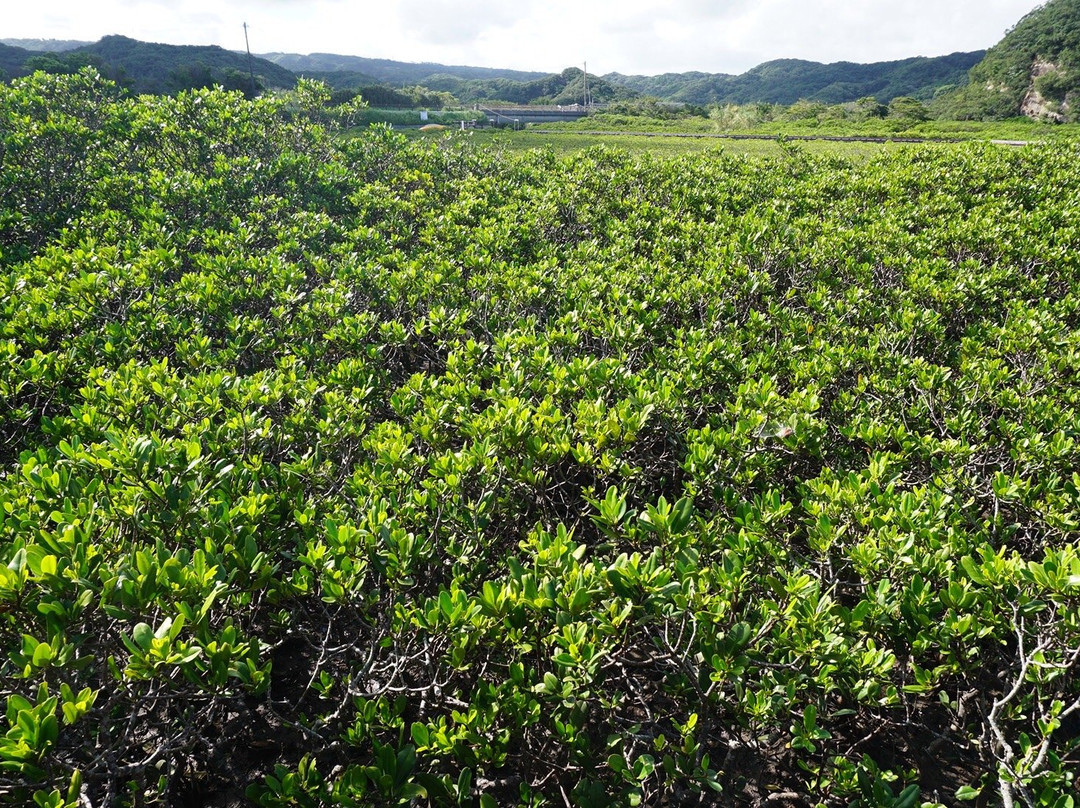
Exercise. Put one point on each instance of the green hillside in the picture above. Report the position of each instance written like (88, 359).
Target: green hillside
(12, 60)
(785, 81)
(389, 70)
(1033, 71)
(147, 67)
(157, 68)
(342, 79)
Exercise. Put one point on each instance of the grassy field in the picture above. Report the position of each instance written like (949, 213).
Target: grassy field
(1015, 129)
(569, 141)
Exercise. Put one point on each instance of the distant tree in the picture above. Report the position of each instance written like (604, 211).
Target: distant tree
(652, 107)
(837, 112)
(343, 95)
(230, 78)
(432, 99)
(803, 110)
(67, 64)
(765, 111)
(384, 97)
(869, 107)
(310, 100)
(907, 108)
(191, 76)
(312, 95)
(349, 114)
(727, 117)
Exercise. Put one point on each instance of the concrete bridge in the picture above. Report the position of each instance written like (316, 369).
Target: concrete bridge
(519, 116)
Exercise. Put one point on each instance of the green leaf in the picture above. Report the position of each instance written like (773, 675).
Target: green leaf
(907, 798)
(740, 635)
(143, 636)
(464, 783)
(50, 729)
(18, 561)
(619, 583)
(682, 515)
(43, 654)
(419, 734)
(580, 601)
(15, 705)
(972, 569)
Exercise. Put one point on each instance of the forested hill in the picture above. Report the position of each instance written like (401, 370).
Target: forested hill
(155, 68)
(566, 87)
(1034, 70)
(785, 81)
(388, 70)
(144, 67)
(782, 81)
(12, 60)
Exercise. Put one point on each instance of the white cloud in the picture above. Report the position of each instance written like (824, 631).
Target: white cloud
(451, 22)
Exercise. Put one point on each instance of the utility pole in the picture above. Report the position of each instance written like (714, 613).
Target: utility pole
(585, 85)
(251, 70)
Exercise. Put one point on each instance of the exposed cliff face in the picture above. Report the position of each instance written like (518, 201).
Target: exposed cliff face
(1035, 104)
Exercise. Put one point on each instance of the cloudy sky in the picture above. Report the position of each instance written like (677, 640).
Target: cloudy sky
(628, 36)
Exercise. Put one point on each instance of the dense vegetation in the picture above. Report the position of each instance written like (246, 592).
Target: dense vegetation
(903, 119)
(347, 86)
(567, 142)
(865, 116)
(785, 81)
(1034, 70)
(361, 472)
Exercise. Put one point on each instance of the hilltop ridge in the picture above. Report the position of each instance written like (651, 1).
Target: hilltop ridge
(46, 45)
